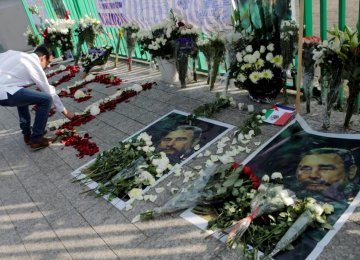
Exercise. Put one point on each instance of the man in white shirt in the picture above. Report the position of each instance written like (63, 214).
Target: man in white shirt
(19, 69)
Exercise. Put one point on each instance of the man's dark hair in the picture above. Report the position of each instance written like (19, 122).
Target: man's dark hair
(345, 155)
(42, 50)
(197, 131)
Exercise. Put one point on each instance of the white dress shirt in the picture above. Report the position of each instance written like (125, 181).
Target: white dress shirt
(19, 69)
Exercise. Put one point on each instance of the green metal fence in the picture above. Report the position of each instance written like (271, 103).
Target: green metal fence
(80, 8)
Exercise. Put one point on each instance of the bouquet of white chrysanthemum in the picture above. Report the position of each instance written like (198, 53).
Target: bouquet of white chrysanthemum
(268, 199)
(158, 40)
(258, 65)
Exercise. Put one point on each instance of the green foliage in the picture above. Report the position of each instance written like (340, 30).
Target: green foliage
(209, 109)
(252, 123)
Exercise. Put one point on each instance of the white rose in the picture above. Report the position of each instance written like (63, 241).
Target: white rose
(249, 49)
(276, 175)
(135, 194)
(94, 110)
(265, 178)
(79, 94)
(270, 47)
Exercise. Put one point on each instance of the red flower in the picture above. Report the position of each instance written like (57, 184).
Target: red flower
(181, 24)
(45, 33)
(255, 181)
(312, 39)
(235, 166)
(67, 15)
(247, 170)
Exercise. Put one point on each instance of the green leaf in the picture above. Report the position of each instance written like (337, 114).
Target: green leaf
(235, 192)
(327, 226)
(283, 214)
(229, 182)
(238, 183)
(221, 191)
(290, 247)
(272, 218)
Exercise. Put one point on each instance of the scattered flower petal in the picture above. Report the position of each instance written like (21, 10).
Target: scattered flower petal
(159, 190)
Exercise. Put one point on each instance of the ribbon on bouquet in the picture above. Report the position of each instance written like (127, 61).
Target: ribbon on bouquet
(244, 222)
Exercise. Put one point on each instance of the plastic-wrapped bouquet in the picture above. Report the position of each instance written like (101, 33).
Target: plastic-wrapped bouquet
(185, 46)
(309, 45)
(96, 57)
(87, 30)
(129, 32)
(347, 47)
(159, 40)
(289, 38)
(331, 64)
(260, 71)
(268, 199)
(32, 39)
(313, 212)
(216, 184)
(213, 49)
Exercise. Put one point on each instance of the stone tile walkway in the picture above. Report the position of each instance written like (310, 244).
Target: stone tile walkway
(43, 214)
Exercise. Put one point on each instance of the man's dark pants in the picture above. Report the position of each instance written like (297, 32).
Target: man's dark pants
(22, 99)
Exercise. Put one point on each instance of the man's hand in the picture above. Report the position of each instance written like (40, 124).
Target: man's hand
(68, 114)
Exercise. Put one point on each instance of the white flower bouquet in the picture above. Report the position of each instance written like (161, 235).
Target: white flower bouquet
(332, 66)
(269, 198)
(32, 39)
(185, 47)
(131, 165)
(213, 49)
(129, 32)
(313, 212)
(58, 34)
(87, 30)
(259, 70)
(158, 41)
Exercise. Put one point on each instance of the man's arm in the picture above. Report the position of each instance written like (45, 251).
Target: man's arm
(38, 75)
